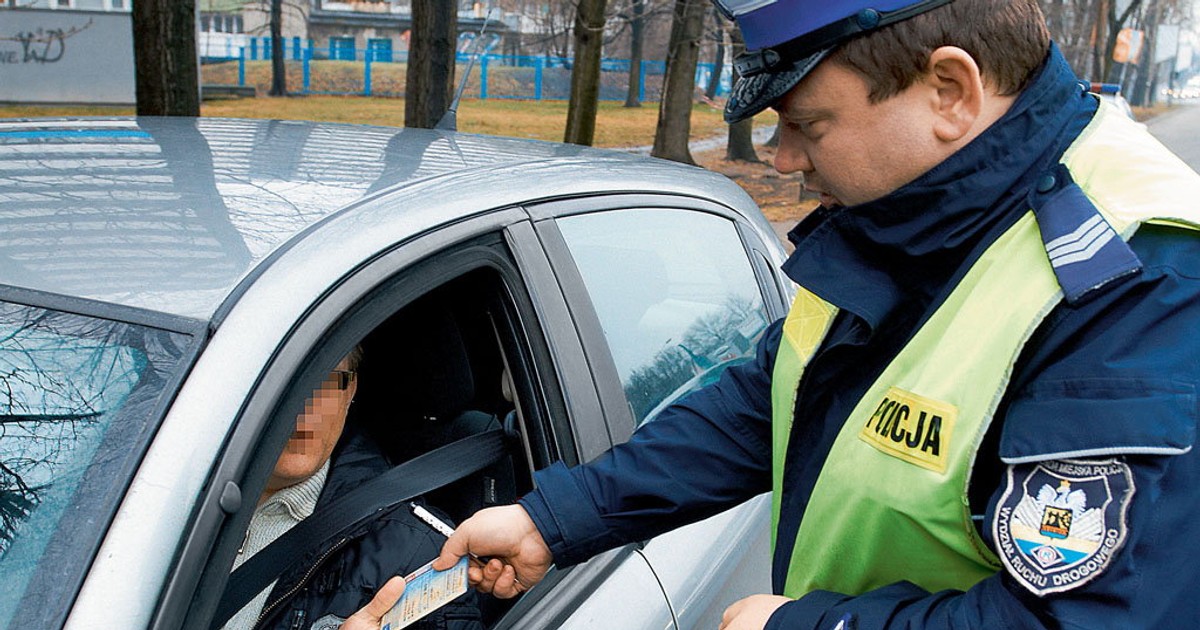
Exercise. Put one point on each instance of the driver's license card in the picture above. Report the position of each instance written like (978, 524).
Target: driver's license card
(425, 591)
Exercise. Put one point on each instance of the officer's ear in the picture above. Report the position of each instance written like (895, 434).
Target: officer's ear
(961, 95)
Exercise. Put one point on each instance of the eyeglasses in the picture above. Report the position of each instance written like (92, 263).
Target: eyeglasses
(341, 378)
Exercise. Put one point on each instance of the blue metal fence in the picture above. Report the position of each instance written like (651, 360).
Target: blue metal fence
(342, 68)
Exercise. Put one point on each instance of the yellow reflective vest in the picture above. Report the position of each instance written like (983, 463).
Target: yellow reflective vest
(890, 503)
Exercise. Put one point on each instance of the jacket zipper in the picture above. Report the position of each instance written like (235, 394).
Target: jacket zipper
(299, 585)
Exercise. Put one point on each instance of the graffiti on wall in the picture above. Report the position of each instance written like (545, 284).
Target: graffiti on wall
(39, 45)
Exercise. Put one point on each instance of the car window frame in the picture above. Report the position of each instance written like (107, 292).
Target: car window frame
(312, 347)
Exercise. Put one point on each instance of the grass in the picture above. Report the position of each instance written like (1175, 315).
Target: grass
(616, 126)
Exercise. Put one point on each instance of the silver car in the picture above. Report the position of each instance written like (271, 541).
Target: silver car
(171, 290)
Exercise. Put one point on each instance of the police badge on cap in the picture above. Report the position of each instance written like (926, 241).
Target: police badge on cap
(786, 39)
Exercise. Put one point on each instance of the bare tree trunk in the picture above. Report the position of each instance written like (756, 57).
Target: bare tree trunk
(429, 84)
(637, 34)
(278, 69)
(1147, 69)
(585, 73)
(675, 109)
(714, 80)
(165, 64)
(1115, 24)
(741, 142)
(1099, 36)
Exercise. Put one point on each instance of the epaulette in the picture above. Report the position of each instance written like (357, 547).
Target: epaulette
(1084, 250)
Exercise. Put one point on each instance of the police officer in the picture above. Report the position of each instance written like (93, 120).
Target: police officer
(981, 409)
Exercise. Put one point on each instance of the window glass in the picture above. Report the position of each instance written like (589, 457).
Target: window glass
(380, 49)
(342, 48)
(675, 294)
(76, 396)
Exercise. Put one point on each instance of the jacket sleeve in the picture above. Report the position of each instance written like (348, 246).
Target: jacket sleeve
(705, 453)
(1112, 380)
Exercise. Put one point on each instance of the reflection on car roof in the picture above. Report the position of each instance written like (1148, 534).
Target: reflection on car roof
(103, 208)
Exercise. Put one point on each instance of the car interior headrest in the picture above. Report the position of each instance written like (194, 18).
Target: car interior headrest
(433, 378)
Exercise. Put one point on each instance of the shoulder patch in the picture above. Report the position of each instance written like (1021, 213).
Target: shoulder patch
(1059, 523)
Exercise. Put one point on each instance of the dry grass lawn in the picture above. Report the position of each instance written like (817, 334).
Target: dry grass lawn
(616, 126)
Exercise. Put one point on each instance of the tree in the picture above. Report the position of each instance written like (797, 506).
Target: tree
(166, 68)
(1111, 23)
(675, 108)
(741, 144)
(637, 35)
(585, 73)
(718, 36)
(278, 69)
(429, 84)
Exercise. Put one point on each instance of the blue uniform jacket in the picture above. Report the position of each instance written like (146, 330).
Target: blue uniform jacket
(1120, 366)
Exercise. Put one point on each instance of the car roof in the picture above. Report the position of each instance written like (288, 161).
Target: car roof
(171, 214)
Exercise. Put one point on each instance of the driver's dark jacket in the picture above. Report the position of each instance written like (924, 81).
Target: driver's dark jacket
(348, 570)
(1129, 355)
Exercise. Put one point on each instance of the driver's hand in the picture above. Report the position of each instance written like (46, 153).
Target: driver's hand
(371, 615)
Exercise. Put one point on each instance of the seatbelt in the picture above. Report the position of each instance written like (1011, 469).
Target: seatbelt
(422, 474)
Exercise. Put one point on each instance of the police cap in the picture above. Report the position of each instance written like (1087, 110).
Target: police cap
(786, 39)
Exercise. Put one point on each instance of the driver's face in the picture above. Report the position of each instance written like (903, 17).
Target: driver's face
(318, 428)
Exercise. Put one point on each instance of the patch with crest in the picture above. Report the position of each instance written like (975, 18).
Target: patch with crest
(1060, 523)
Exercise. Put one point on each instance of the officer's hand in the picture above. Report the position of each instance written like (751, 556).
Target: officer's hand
(519, 555)
(751, 613)
(372, 614)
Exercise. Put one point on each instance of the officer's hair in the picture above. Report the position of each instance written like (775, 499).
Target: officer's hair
(1008, 39)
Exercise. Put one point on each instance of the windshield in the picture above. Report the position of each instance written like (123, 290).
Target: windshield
(77, 403)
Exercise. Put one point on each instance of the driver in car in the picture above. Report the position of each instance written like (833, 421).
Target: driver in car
(324, 459)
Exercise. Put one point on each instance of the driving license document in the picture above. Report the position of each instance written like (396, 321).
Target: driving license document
(425, 591)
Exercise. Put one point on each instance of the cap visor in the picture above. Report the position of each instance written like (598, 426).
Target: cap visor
(751, 95)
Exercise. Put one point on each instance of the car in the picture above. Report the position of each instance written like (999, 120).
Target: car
(1111, 93)
(173, 289)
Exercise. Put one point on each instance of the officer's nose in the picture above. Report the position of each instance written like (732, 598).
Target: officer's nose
(791, 156)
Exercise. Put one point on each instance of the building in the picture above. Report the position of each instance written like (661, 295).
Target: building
(335, 30)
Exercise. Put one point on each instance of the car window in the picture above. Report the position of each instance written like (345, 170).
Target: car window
(76, 398)
(675, 294)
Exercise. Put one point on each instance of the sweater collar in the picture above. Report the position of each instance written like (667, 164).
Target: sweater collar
(299, 500)
(868, 258)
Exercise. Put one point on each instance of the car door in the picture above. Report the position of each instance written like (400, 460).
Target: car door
(674, 291)
(489, 271)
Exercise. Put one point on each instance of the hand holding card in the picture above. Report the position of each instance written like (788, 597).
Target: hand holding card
(425, 591)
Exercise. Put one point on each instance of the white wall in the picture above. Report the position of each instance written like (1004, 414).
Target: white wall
(63, 56)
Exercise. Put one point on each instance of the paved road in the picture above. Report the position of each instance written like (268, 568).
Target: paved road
(1179, 129)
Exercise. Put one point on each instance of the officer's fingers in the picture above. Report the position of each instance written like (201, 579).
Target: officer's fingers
(491, 571)
(731, 614)
(474, 575)
(369, 616)
(454, 548)
(507, 585)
